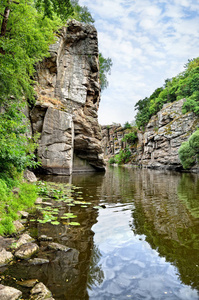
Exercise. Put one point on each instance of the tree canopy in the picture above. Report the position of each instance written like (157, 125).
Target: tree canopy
(189, 151)
(184, 85)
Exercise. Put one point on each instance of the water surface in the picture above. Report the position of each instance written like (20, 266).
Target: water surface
(143, 243)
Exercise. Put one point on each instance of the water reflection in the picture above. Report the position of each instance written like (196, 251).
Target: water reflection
(142, 244)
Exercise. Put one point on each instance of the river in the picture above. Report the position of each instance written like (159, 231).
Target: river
(139, 238)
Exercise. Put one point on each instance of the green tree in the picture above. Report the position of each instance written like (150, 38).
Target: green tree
(81, 13)
(105, 65)
(24, 42)
(189, 151)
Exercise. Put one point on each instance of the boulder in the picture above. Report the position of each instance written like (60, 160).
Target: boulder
(9, 293)
(18, 226)
(26, 251)
(29, 176)
(5, 257)
(40, 292)
(24, 239)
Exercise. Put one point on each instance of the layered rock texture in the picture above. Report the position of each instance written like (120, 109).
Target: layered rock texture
(158, 146)
(65, 113)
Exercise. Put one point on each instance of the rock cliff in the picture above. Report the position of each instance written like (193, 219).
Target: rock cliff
(158, 146)
(65, 113)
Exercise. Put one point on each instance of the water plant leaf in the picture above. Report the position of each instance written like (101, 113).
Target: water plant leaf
(84, 206)
(74, 223)
(55, 223)
(96, 207)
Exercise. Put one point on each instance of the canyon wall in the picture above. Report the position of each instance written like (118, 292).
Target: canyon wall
(158, 146)
(68, 96)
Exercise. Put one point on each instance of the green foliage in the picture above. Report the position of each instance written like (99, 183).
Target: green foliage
(62, 8)
(24, 43)
(189, 151)
(11, 203)
(123, 157)
(127, 125)
(16, 150)
(105, 65)
(81, 13)
(112, 161)
(184, 85)
(130, 137)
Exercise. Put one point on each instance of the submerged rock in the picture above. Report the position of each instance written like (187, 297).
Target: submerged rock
(38, 261)
(9, 293)
(28, 283)
(56, 246)
(40, 292)
(26, 251)
(44, 237)
(5, 257)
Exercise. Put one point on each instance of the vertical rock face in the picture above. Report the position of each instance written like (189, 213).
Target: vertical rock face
(158, 146)
(68, 99)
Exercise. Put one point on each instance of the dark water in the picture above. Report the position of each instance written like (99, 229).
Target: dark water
(144, 243)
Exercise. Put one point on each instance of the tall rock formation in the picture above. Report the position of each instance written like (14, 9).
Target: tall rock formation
(158, 146)
(68, 92)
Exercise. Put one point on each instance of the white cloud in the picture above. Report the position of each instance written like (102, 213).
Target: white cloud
(148, 41)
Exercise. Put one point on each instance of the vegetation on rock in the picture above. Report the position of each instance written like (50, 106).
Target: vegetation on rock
(184, 85)
(189, 151)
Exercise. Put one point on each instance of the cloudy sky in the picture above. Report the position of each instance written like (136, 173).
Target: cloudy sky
(148, 42)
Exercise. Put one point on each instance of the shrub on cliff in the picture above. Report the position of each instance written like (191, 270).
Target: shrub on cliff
(184, 85)
(189, 151)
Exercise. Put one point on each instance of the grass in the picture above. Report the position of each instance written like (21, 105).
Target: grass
(10, 203)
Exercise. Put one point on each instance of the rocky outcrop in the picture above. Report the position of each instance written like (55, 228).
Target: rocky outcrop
(68, 92)
(158, 146)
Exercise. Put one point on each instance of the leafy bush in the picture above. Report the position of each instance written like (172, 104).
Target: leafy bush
(123, 156)
(130, 137)
(112, 161)
(189, 151)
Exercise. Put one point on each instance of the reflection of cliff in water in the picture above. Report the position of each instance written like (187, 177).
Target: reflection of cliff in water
(170, 226)
(68, 273)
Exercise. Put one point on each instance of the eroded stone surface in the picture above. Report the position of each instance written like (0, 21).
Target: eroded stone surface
(68, 100)
(9, 293)
(5, 257)
(25, 238)
(40, 292)
(158, 146)
(26, 251)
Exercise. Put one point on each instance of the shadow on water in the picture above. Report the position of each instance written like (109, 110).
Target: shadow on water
(143, 243)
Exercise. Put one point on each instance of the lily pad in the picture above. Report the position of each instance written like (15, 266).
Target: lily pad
(55, 223)
(74, 223)
(97, 207)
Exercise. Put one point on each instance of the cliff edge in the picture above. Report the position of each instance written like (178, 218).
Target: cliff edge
(65, 113)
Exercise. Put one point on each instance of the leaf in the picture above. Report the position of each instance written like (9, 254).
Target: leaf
(74, 223)
(55, 223)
